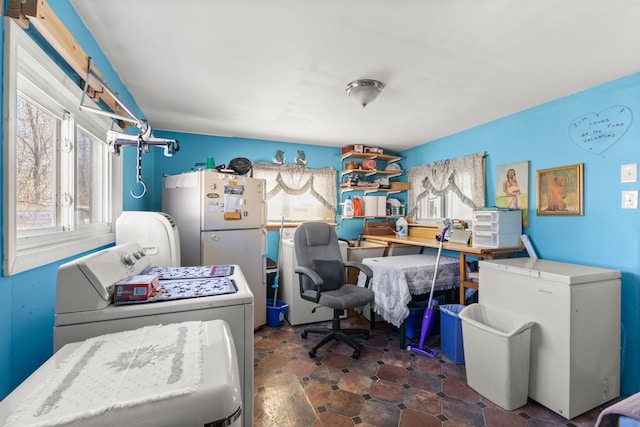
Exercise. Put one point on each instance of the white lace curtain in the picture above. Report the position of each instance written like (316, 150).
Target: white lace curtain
(463, 176)
(295, 180)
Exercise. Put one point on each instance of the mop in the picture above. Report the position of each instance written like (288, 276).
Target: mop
(277, 278)
(429, 312)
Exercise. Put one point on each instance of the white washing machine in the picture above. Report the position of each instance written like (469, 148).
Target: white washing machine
(84, 309)
(173, 391)
(300, 311)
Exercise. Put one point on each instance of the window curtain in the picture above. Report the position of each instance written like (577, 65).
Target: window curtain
(454, 175)
(295, 179)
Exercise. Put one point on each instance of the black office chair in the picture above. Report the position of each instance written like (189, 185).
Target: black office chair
(322, 276)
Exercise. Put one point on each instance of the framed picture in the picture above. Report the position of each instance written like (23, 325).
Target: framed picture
(512, 188)
(560, 190)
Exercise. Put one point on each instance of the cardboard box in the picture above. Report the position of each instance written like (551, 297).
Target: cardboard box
(347, 149)
(136, 288)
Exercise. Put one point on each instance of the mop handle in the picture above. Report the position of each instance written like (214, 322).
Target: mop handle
(435, 268)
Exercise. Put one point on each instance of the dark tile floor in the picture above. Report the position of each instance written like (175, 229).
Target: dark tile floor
(386, 386)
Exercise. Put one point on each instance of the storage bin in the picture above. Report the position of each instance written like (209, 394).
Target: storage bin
(497, 354)
(275, 312)
(451, 332)
(496, 229)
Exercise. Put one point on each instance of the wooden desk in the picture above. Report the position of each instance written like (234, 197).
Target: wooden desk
(464, 250)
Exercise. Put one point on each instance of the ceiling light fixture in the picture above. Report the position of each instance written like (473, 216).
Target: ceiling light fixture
(364, 91)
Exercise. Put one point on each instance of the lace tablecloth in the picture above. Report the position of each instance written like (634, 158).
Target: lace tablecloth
(396, 278)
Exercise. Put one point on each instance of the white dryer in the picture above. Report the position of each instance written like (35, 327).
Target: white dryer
(300, 311)
(84, 309)
(156, 232)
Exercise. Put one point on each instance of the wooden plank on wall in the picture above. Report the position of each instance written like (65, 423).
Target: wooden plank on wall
(39, 14)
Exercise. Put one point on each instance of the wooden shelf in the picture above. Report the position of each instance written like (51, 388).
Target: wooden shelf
(375, 156)
(370, 172)
(367, 190)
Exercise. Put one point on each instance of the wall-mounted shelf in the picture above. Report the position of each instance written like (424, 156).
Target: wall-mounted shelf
(369, 172)
(380, 161)
(366, 190)
(375, 156)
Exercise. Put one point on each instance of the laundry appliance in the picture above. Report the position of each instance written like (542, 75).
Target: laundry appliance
(84, 309)
(156, 232)
(164, 375)
(221, 219)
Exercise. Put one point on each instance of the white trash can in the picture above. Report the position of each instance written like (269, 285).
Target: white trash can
(497, 352)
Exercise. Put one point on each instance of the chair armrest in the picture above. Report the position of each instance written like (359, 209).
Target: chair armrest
(315, 278)
(363, 268)
(360, 266)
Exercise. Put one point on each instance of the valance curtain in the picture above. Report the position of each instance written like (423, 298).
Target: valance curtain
(295, 179)
(463, 176)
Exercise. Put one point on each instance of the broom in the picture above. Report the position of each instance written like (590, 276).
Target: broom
(277, 278)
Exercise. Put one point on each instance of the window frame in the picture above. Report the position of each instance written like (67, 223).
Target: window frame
(27, 250)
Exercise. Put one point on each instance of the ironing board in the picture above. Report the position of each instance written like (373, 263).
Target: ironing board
(397, 278)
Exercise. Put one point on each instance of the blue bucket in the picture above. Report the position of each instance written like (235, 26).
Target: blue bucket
(275, 313)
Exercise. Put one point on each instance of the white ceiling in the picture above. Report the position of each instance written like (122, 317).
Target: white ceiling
(276, 70)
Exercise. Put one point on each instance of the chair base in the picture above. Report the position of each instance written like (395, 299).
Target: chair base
(337, 334)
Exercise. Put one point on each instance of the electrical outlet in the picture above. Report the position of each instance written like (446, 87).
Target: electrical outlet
(629, 173)
(630, 199)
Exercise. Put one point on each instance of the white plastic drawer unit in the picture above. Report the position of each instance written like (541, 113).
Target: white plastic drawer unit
(496, 229)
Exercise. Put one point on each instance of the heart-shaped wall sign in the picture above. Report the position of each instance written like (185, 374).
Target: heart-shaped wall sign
(597, 132)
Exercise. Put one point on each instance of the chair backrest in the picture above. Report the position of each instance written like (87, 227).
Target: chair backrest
(317, 248)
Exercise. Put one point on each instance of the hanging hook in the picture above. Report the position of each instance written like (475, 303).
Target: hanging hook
(144, 191)
(139, 170)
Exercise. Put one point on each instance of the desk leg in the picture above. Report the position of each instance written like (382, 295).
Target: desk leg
(463, 277)
(464, 283)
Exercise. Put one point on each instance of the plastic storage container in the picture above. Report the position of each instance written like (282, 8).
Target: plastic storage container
(496, 229)
(451, 332)
(497, 349)
(275, 312)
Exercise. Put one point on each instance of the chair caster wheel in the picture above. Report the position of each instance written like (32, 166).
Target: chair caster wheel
(312, 353)
(304, 335)
(356, 354)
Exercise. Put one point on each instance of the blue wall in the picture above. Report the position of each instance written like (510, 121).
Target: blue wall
(27, 299)
(605, 236)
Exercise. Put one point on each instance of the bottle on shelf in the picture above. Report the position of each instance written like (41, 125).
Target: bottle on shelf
(402, 226)
(348, 207)
(357, 206)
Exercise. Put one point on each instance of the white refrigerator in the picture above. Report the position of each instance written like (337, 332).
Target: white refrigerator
(221, 219)
(575, 343)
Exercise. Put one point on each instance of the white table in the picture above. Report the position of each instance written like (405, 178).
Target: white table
(397, 278)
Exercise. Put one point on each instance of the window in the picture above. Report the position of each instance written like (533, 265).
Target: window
(448, 189)
(60, 178)
(297, 193)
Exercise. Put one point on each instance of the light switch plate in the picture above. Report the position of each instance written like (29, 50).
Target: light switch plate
(629, 173)
(630, 199)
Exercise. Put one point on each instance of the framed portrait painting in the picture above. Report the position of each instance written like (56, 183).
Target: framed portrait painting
(560, 190)
(512, 188)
